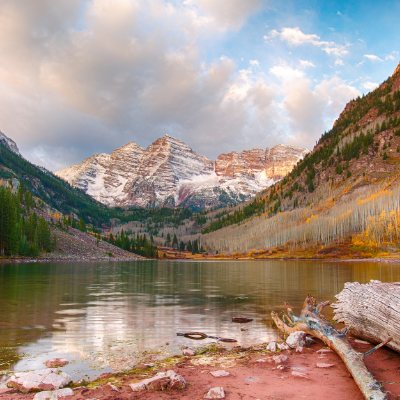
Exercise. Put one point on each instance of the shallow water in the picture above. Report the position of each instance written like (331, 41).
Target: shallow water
(110, 315)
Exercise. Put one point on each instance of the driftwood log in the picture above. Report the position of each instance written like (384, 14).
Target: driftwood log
(312, 322)
(371, 311)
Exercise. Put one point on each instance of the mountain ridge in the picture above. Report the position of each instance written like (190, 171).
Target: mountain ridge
(170, 173)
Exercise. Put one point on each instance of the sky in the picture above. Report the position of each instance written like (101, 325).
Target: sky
(79, 77)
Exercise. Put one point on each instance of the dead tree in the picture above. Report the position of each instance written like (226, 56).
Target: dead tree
(371, 311)
(313, 323)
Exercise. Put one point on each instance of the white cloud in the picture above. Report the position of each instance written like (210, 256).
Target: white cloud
(132, 71)
(310, 110)
(339, 62)
(306, 64)
(286, 73)
(390, 57)
(295, 37)
(369, 85)
(254, 63)
(372, 57)
(227, 14)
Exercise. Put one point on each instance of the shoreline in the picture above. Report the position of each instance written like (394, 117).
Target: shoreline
(81, 259)
(253, 373)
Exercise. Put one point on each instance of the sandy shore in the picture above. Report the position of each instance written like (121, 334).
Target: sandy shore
(301, 376)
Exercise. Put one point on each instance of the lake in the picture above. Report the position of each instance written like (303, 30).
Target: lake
(104, 316)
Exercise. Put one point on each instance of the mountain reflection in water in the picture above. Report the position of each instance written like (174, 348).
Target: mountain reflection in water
(103, 316)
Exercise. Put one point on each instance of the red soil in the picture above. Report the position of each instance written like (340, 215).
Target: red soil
(253, 380)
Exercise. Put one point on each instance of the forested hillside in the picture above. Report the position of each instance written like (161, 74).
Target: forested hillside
(346, 189)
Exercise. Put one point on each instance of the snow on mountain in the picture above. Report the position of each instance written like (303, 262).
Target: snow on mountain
(170, 173)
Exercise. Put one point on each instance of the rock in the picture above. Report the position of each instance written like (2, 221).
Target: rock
(272, 346)
(44, 379)
(283, 346)
(56, 362)
(299, 374)
(158, 382)
(215, 393)
(219, 374)
(323, 365)
(281, 367)
(322, 351)
(113, 387)
(296, 339)
(188, 352)
(137, 387)
(53, 395)
(176, 381)
(263, 360)
(279, 359)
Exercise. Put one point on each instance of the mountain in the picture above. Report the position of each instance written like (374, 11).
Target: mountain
(9, 143)
(169, 173)
(52, 190)
(346, 192)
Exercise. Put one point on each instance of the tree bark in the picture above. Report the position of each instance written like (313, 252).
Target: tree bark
(371, 311)
(312, 322)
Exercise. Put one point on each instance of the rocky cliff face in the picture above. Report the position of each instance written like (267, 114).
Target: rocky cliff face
(10, 144)
(170, 173)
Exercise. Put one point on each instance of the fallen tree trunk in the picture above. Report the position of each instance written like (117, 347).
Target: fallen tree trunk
(312, 322)
(371, 311)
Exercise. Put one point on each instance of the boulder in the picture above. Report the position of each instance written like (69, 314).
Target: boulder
(188, 352)
(296, 339)
(43, 379)
(56, 363)
(54, 395)
(176, 381)
(158, 382)
(215, 393)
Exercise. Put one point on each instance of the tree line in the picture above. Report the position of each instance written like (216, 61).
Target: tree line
(22, 231)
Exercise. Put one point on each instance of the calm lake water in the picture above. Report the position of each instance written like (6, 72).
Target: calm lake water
(110, 315)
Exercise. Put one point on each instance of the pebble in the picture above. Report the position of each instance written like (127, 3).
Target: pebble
(272, 346)
(188, 352)
(324, 365)
(321, 351)
(283, 346)
(215, 393)
(299, 374)
(218, 374)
